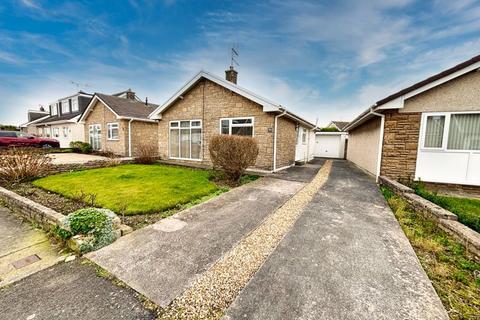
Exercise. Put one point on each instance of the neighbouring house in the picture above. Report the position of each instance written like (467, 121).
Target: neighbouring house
(339, 125)
(429, 131)
(61, 120)
(33, 117)
(119, 123)
(208, 105)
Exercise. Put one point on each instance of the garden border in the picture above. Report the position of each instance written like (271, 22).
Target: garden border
(445, 219)
(48, 219)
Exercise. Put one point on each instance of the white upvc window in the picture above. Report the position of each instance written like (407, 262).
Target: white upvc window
(304, 136)
(185, 139)
(65, 132)
(74, 104)
(451, 131)
(65, 106)
(40, 132)
(243, 126)
(56, 132)
(54, 109)
(112, 131)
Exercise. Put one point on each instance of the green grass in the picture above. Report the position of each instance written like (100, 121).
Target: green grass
(133, 188)
(452, 270)
(467, 210)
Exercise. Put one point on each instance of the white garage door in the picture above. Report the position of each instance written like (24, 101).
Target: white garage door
(328, 146)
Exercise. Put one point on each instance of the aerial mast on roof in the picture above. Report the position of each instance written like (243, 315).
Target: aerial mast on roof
(234, 56)
(80, 85)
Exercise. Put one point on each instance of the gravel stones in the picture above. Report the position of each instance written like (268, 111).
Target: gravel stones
(216, 289)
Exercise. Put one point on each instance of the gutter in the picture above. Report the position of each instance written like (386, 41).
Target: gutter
(275, 140)
(380, 142)
(130, 137)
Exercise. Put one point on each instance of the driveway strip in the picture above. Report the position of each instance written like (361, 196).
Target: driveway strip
(218, 287)
(345, 258)
(164, 259)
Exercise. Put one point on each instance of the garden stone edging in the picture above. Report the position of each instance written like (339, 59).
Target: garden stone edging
(446, 220)
(47, 218)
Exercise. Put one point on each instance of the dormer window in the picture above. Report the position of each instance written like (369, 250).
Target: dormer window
(65, 106)
(74, 104)
(53, 109)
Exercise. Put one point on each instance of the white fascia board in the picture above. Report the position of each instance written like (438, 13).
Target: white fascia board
(398, 103)
(136, 119)
(268, 106)
(34, 121)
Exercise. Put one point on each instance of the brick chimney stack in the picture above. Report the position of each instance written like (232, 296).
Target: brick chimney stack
(231, 75)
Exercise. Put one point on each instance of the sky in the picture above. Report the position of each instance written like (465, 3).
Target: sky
(323, 60)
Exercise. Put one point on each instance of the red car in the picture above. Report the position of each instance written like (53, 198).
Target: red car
(22, 139)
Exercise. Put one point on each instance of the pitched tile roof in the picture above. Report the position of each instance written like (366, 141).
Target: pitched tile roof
(340, 124)
(127, 107)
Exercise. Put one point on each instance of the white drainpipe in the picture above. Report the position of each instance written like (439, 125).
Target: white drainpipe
(380, 143)
(275, 141)
(130, 138)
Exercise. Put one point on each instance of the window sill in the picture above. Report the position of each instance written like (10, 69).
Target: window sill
(187, 159)
(113, 139)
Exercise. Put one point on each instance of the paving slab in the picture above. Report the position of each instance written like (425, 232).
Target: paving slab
(162, 260)
(23, 249)
(70, 291)
(345, 258)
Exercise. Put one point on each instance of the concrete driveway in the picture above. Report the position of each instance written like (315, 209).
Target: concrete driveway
(345, 258)
(162, 260)
(74, 158)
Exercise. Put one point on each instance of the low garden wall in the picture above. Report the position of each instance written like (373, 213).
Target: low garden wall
(47, 218)
(445, 219)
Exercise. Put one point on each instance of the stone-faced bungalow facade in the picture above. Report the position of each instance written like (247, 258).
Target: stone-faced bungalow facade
(208, 105)
(429, 131)
(119, 123)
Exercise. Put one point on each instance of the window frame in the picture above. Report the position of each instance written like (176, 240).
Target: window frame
(54, 109)
(231, 125)
(74, 102)
(65, 104)
(446, 131)
(110, 131)
(55, 132)
(65, 131)
(179, 128)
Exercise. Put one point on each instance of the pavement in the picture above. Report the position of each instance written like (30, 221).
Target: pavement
(163, 259)
(74, 158)
(70, 291)
(345, 258)
(24, 250)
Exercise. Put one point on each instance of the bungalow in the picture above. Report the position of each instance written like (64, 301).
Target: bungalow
(60, 121)
(208, 105)
(119, 123)
(429, 131)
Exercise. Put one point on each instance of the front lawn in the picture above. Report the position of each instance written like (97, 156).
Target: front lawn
(454, 273)
(467, 210)
(132, 188)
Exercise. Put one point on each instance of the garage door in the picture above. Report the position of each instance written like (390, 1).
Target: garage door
(328, 146)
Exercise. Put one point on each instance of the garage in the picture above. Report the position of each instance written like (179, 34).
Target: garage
(330, 144)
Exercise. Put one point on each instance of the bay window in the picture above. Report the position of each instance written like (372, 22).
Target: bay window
(434, 131)
(185, 139)
(237, 126)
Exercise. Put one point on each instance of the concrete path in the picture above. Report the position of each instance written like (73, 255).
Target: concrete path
(70, 291)
(162, 260)
(345, 258)
(23, 249)
(74, 158)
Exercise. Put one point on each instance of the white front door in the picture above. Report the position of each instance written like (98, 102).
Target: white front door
(328, 146)
(301, 148)
(95, 134)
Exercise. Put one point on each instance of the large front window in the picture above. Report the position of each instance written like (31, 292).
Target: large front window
(185, 139)
(237, 126)
(452, 131)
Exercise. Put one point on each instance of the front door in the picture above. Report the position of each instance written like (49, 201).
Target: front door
(95, 133)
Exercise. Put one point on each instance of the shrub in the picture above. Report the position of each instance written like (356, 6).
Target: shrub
(233, 154)
(146, 154)
(329, 129)
(96, 225)
(22, 164)
(80, 146)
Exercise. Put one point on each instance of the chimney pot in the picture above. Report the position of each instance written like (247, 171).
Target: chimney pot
(231, 75)
(130, 94)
